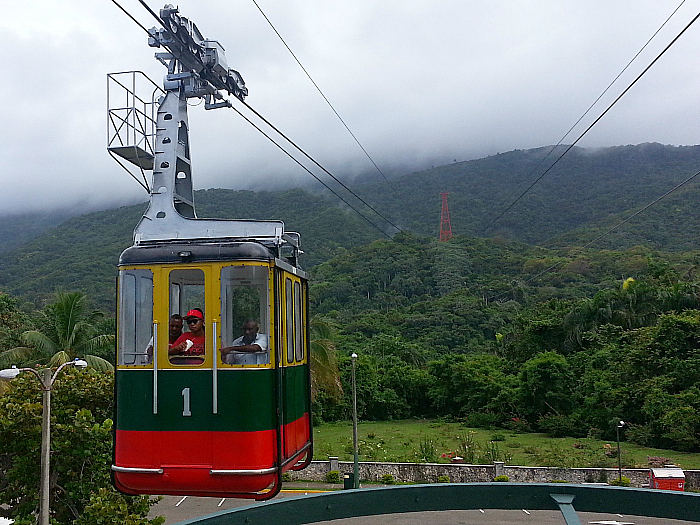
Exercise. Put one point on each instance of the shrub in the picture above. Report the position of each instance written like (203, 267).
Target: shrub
(518, 424)
(481, 420)
(595, 433)
(333, 476)
(558, 425)
(467, 446)
(558, 481)
(658, 461)
(498, 436)
(443, 479)
(502, 478)
(387, 479)
(286, 477)
(427, 451)
(624, 482)
(107, 507)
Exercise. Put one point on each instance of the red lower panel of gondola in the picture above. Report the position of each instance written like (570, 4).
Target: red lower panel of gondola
(200, 463)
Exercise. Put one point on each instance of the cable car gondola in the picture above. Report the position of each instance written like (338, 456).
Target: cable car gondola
(227, 413)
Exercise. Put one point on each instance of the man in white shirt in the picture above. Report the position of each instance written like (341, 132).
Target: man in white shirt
(249, 349)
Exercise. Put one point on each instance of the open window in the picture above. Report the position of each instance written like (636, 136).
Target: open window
(186, 294)
(245, 302)
(135, 346)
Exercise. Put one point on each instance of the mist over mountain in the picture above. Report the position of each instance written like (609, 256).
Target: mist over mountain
(582, 196)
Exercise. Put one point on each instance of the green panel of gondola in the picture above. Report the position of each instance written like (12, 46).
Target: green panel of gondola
(245, 404)
(295, 398)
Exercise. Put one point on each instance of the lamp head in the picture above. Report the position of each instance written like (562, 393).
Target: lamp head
(354, 355)
(80, 363)
(621, 424)
(9, 373)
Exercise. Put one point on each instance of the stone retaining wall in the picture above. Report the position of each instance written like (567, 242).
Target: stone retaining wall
(462, 473)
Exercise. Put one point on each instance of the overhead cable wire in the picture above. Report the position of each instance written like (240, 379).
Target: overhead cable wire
(536, 168)
(268, 137)
(131, 16)
(277, 130)
(606, 233)
(322, 94)
(290, 142)
(595, 121)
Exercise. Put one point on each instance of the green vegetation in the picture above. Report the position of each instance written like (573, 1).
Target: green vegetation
(66, 331)
(401, 441)
(620, 482)
(333, 476)
(81, 444)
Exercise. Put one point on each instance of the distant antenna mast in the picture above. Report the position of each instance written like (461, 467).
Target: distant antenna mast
(445, 225)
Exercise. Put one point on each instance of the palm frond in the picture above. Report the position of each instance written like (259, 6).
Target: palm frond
(59, 358)
(43, 344)
(99, 364)
(16, 356)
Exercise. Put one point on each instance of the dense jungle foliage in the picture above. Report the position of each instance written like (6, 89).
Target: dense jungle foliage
(568, 353)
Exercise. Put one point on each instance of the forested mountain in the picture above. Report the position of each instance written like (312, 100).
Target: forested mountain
(585, 187)
(492, 328)
(581, 197)
(82, 253)
(19, 229)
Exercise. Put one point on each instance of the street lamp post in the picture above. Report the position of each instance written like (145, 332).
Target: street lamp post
(356, 469)
(619, 458)
(46, 380)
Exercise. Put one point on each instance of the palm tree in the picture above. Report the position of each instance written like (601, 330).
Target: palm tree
(324, 363)
(67, 332)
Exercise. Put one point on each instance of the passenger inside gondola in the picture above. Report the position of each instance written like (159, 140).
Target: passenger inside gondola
(188, 349)
(249, 349)
(174, 328)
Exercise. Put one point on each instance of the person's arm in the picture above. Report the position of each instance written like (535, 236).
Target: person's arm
(242, 348)
(178, 347)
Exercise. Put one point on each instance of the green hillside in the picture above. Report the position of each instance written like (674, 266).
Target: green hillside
(585, 187)
(82, 253)
(582, 196)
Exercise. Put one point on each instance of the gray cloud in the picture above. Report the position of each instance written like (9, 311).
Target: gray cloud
(417, 81)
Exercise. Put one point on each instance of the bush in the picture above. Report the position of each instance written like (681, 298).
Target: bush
(387, 479)
(502, 479)
(108, 507)
(595, 433)
(443, 479)
(427, 451)
(658, 461)
(559, 425)
(286, 477)
(333, 476)
(624, 482)
(482, 420)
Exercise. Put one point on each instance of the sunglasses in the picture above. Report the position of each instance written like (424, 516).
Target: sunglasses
(193, 321)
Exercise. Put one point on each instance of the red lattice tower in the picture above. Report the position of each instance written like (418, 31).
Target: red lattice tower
(445, 225)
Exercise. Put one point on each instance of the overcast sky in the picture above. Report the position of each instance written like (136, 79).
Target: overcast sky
(419, 82)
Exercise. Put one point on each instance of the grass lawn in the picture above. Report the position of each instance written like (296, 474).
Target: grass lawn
(435, 441)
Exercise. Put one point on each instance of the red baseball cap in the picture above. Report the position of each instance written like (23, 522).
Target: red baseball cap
(194, 313)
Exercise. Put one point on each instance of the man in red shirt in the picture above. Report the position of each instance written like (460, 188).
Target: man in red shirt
(188, 349)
